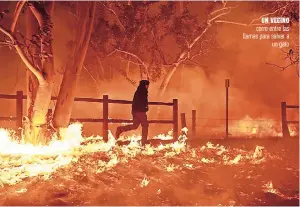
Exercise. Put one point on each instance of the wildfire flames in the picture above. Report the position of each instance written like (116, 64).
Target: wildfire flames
(20, 161)
(260, 127)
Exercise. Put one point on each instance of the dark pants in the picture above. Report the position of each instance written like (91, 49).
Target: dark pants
(138, 118)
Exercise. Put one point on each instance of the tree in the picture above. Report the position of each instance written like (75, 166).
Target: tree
(36, 53)
(137, 36)
(290, 10)
(75, 61)
(126, 37)
(140, 38)
(43, 70)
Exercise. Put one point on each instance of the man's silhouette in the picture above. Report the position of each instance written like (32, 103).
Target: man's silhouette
(139, 109)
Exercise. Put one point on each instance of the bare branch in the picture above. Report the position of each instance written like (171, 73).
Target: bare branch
(254, 20)
(209, 21)
(132, 82)
(21, 53)
(294, 59)
(219, 15)
(196, 55)
(115, 14)
(231, 22)
(5, 44)
(196, 63)
(94, 79)
(130, 61)
(37, 13)
(111, 53)
(139, 60)
(199, 36)
(18, 10)
(142, 64)
(100, 65)
(133, 55)
(222, 9)
(159, 50)
(281, 67)
(264, 15)
(98, 60)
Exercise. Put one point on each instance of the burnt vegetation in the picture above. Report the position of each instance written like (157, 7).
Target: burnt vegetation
(111, 40)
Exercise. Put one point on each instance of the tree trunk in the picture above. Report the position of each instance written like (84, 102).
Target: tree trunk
(32, 28)
(35, 132)
(63, 108)
(167, 79)
(44, 72)
(170, 73)
(184, 55)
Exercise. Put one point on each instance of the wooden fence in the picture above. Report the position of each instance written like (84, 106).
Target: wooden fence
(284, 122)
(105, 120)
(183, 122)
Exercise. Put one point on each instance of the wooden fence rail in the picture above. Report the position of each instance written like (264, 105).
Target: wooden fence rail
(19, 97)
(284, 122)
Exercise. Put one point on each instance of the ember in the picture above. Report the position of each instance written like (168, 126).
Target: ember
(73, 159)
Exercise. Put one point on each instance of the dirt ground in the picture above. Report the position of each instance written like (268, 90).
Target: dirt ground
(238, 174)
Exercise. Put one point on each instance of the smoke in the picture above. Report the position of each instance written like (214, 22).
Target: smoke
(256, 89)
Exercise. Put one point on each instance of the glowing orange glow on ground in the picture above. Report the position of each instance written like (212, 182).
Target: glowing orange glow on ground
(20, 161)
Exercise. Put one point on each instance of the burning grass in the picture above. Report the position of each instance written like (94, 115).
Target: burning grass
(87, 171)
(249, 127)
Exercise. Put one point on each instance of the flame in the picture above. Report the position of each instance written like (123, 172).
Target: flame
(293, 130)
(258, 152)
(19, 160)
(170, 168)
(189, 166)
(23, 190)
(220, 148)
(268, 187)
(205, 160)
(222, 155)
(72, 140)
(259, 127)
(103, 166)
(169, 136)
(235, 161)
(144, 182)
(193, 153)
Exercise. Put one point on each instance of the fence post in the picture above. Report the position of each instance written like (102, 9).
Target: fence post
(105, 118)
(19, 109)
(227, 87)
(193, 123)
(175, 118)
(183, 121)
(285, 129)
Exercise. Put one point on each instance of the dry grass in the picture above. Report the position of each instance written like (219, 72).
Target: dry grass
(182, 179)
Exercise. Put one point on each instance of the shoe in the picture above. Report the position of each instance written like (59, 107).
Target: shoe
(118, 132)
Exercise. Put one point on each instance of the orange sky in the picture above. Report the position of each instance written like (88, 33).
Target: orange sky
(256, 89)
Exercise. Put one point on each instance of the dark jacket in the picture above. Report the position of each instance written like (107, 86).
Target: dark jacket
(140, 99)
